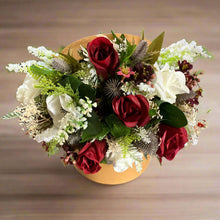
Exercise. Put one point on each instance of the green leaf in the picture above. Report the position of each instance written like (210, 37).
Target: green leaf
(118, 40)
(61, 48)
(52, 148)
(94, 129)
(10, 115)
(130, 50)
(125, 55)
(158, 101)
(152, 112)
(142, 34)
(87, 91)
(104, 161)
(122, 37)
(37, 72)
(105, 131)
(72, 81)
(116, 126)
(172, 115)
(154, 48)
(152, 123)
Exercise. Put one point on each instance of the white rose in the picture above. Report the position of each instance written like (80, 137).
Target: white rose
(58, 106)
(26, 92)
(169, 83)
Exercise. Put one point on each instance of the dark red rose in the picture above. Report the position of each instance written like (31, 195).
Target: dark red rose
(91, 155)
(132, 110)
(103, 57)
(172, 140)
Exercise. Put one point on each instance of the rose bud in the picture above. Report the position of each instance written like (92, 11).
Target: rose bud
(103, 56)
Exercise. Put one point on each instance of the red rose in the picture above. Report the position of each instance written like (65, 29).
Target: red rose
(91, 155)
(103, 57)
(132, 110)
(172, 140)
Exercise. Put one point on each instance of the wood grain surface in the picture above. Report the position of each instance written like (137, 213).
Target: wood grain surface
(33, 186)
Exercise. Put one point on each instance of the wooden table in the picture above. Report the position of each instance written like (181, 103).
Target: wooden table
(33, 186)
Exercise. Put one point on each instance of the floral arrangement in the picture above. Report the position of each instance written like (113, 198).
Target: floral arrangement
(119, 102)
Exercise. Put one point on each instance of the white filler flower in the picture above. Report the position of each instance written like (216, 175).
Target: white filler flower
(181, 50)
(121, 163)
(169, 83)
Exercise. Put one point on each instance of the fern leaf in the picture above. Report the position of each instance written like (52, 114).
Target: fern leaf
(10, 115)
(38, 71)
(126, 142)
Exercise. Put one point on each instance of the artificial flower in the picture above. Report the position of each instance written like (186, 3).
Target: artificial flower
(121, 163)
(58, 106)
(169, 83)
(47, 135)
(132, 110)
(63, 113)
(26, 92)
(123, 77)
(184, 66)
(179, 51)
(172, 140)
(91, 155)
(125, 71)
(103, 57)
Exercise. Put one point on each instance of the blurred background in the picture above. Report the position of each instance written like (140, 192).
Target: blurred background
(33, 186)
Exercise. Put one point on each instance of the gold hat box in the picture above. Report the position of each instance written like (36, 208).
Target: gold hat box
(107, 175)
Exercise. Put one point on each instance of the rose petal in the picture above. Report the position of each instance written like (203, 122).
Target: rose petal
(145, 118)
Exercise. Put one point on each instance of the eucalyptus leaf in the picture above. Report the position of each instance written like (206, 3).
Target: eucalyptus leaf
(172, 115)
(116, 126)
(154, 49)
